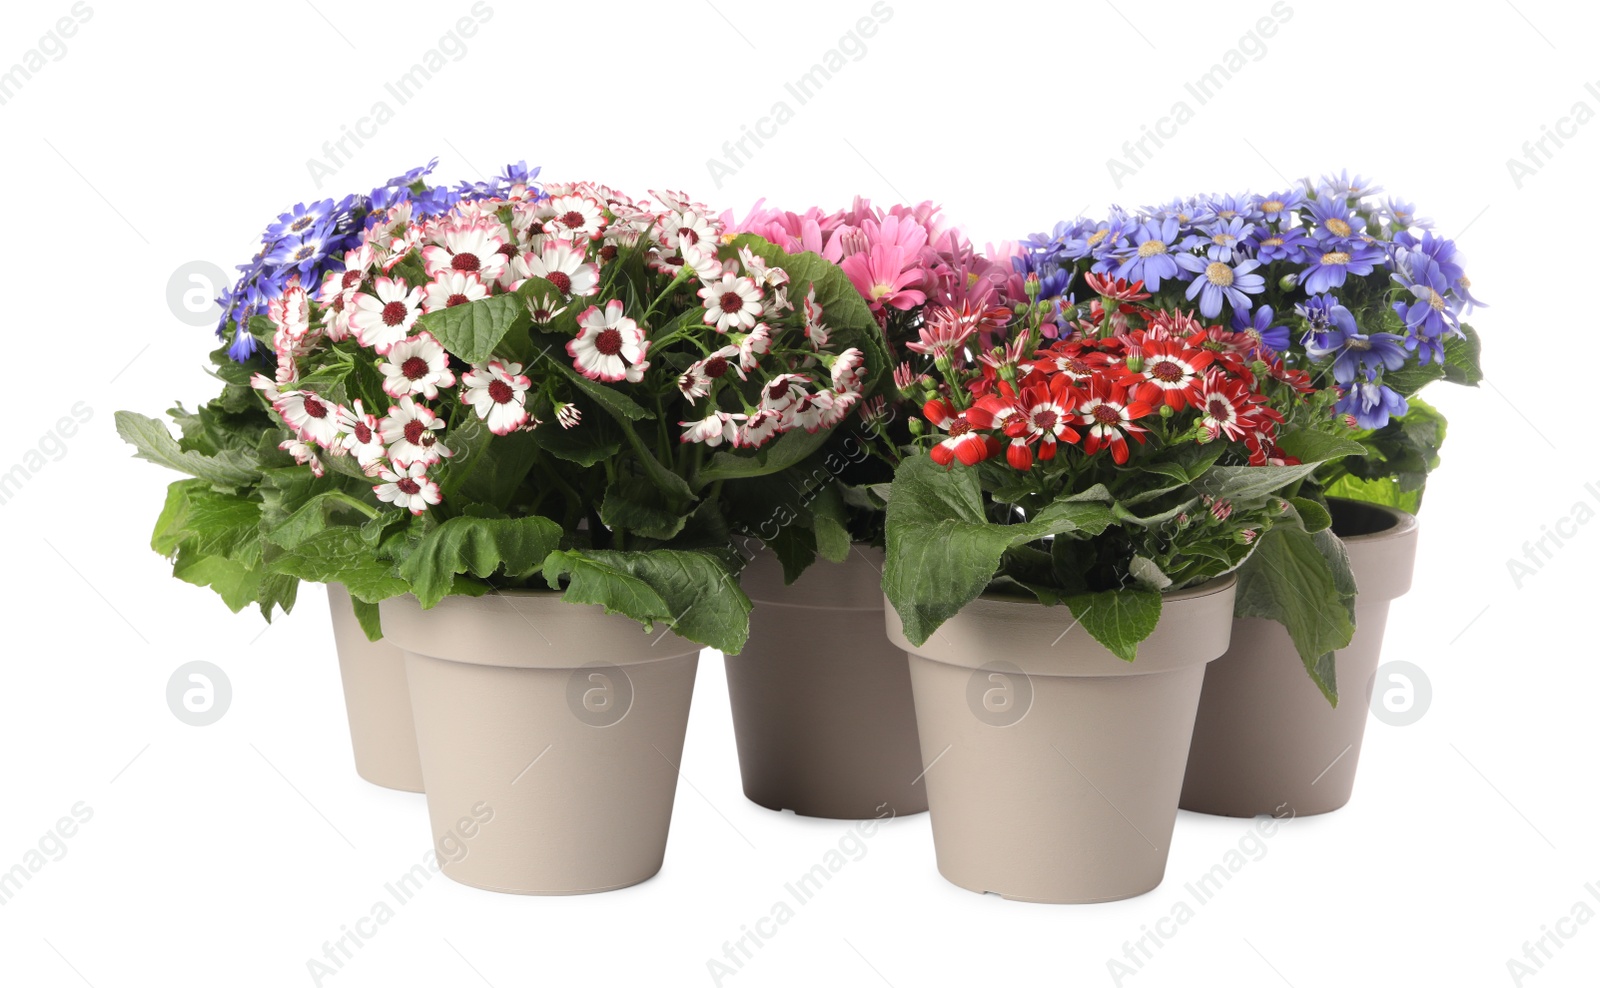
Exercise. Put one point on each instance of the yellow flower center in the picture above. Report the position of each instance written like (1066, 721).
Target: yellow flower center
(1335, 257)
(1272, 242)
(1150, 248)
(1434, 301)
(1223, 238)
(1097, 236)
(1272, 206)
(1337, 227)
(1219, 274)
(879, 291)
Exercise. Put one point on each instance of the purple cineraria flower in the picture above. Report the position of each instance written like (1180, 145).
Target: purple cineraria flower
(1354, 352)
(1325, 316)
(1218, 281)
(1371, 403)
(1411, 250)
(1281, 245)
(1278, 206)
(1225, 209)
(305, 252)
(1433, 312)
(1149, 258)
(1403, 215)
(1186, 211)
(1107, 239)
(1224, 239)
(301, 219)
(1350, 186)
(1259, 327)
(1333, 221)
(1329, 268)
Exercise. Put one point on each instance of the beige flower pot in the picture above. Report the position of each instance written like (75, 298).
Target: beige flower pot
(821, 700)
(1053, 767)
(1266, 740)
(550, 735)
(376, 701)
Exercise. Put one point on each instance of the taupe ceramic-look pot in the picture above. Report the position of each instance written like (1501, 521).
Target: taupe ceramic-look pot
(821, 700)
(377, 701)
(550, 736)
(1054, 766)
(1266, 740)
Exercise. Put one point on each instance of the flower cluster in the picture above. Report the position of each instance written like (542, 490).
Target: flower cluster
(1347, 285)
(409, 303)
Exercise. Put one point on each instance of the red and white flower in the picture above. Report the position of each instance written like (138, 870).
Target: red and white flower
(759, 427)
(361, 437)
(470, 250)
(783, 392)
(1110, 415)
(964, 442)
(573, 217)
(498, 392)
(713, 430)
(732, 303)
(815, 331)
(696, 381)
(416, 366)
(1168, 372)
(563, 265)
(607, 343)
(1224, 405)
(411, 432)
(755, 344)
(385, 316)
(313, 419)
(850, 371)
(453, 288)
(304, 454)
(408, 488)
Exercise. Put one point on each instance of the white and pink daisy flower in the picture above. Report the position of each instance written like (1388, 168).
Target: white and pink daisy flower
(410, 489)
(470, 250)
(783, 392)
(411, 432)
(816, 332)
(696, 380)
(498, 392)
(313, 419)
(732, 303)
(713, 430)
(385, 316)
(756, 344)
(568, 415)
(416, 366)
(362, 438)
(607, 343)
(760, 427)
(818, 411)
(574, 217)
(702, 258)
(849, 371)
(304, 454)
(759, 271)
(453, 288)
(563, 265)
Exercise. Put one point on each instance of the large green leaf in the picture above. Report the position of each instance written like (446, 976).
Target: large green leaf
(341, 555)
(1289, 579)
(1463, 356)
(228, 470)
(692, 592)
(787, 450)
(1245, 483)
(473, 330)
(633, 504)
(1118, 619)
(514, 547)
(942, 551)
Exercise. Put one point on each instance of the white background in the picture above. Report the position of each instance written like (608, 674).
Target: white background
(228, 854)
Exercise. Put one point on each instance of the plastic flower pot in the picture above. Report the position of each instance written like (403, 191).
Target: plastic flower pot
(1053, 767)
(377, 701)
(821, 700)
(1266, 740)
(550, 735)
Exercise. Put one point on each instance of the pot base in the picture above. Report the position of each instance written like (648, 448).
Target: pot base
(383, 735)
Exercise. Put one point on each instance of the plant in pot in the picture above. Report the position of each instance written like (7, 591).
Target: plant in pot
(1357, 293)
(827, 729)
(523, 394)
(1119, 458)
(226, 525)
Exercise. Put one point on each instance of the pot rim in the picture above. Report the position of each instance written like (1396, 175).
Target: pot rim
(1404, 522)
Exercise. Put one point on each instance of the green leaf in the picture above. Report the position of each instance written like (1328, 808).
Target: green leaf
(473, 330)
(1463, 357)
(516, 547)
(1383, 490)
(227, 470)
(942, 551)
(340, 555)
(1310, 446)
(787, 450)
(313, 517)
(1118, 619)
(1288, 579)
(235, 582)
(367, 617)
(666, 481)
(692, 592)
(618, 405)
(634, 505)
(830, 523)
(595, 441)
(1314, 515)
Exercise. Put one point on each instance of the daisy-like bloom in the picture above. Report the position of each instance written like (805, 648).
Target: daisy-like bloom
(759, 271)
(814, 412)
(607, 342)
(1358, 350)
(410, 489)
(783, 392)
(1168, 372)
(962, 443)
(687, 226)
(470, 250)
(411, 432)
(313, 419)
(1219, 281)
(696, 381)
(1118, 288)
(1333, 222)
(850, 371)
(361, 437)
(886, 276)
(563, 265)
(574, 217)
(702, 258)
(568, 415)
(385, 317)
(498, 392)
(942, 332)
(453, 288)
(1224, 404)
(290, 314)
(416, 366)
(1223, 240)
(815, 331)
(754, 345)
(839, 405)
(1328, 269)
(732, 303)
(1282, 245)
(267, 386)
(1150, 256)
(1110, 416)
(304, 454)
(1370, 403)
(1275, 206)
(713, 430)
(759, 427)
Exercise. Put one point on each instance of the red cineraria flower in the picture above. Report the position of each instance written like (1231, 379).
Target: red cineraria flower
(1117, 288)
(1109, 413)
(1224, 404)
(963, 443)
(1170, 371)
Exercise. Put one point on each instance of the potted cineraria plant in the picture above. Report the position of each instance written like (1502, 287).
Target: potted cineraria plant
(523, 391)
(1355, 292)
(828, 729)
(227, 524)
(1120, 458)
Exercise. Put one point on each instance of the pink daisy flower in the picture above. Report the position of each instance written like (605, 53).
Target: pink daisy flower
(563, 265)
(313, 419)
(713, 430)
(385, 316)
(759, 427)
(453, 288)
(731, 303)
(410, 489)
(884, 275)
(470, 250)
(411, 432)
(849, 371)
(303, 454)
(607, 343)
(416, 366)
(756, 344)
(574, 217)
(498, 392)
(362, 438)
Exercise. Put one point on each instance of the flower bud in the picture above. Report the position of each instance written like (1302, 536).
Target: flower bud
(916, 427)
(1135, 363)
(1287, 282)
(1166, 411)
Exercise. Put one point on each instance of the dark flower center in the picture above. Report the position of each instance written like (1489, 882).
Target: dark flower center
(1167, 371)
(559, 279)
(350, 279)
(315, 408)
(500, 392)
(1106, 415)
(609, 342)
(456, 299)
(415, 368)
(507, 249)
(1219, 409)
(688, 234)
(777, 389)
(608, 252)
(960, 427)
(1045, 420)
(731, 302)
(572, 218)
(465, 262)
(414, 432)
(408, 485)
(363, 433)
(716, 367)
(394, 313)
